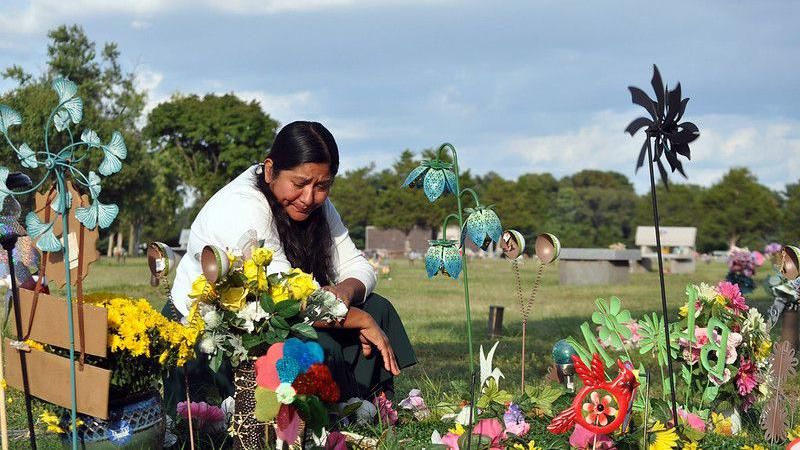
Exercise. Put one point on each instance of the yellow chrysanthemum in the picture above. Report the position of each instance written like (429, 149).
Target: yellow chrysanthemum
(753, 447)
(279, 292)
(720, 300)
(262, 256)
(300, 284)
(662, 438)
(531, 446)
(34, 345)
(794, 433)
(52, 421)
(721, 424)
(764, 350)
(691, 445)
(256, 274)
(458, 429)
(683, 311)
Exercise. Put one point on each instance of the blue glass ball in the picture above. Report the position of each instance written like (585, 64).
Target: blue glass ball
(562, 352)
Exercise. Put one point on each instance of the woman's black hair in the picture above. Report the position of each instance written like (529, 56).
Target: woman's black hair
(307, 244)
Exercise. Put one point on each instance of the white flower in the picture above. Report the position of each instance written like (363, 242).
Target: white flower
(208, 345)
(211, 316)
(754, 322)
(228, 407)
(285, 393)
(707, 292)
(251, 314)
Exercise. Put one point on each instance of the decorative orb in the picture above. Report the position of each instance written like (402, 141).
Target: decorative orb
(513, 244)
(547, 247)
(215, 263)
(562, 352)
(790, 264)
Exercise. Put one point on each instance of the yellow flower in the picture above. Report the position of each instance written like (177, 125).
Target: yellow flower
(531, 446)
(301, 284)
(3, 384)
(764, 350)
(690, 446)
(794, 433)
(662, 438)
(34, 345)
(721, 425)
(683, 311)
(233, 299)
(201, 288)
(720, 300)
(459, 430)
(255, 274)
(52, 421)
(262, 256)
(278, 292)
(753, 447)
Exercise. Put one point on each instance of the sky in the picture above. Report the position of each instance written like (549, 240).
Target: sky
(517, 86)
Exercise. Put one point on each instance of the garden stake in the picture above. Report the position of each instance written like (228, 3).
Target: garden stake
(8, 243)
(671, 139)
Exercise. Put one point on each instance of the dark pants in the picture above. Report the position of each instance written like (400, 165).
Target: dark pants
(356, 375)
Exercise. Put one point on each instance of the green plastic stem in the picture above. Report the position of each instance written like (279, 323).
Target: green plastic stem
(444, 224)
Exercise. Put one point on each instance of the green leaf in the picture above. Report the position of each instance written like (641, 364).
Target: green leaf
(273, 336)
(686, 373)
(493, 394)
(267, 404)
(710, 393)
(267, 304)
(279, 323)
(304, 330)
(350, 409)
(318, 415)
(252, 340)
(216, 361)
(661, 410)
(288, 308)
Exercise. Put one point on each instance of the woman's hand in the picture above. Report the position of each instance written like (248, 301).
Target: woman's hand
(371, 334)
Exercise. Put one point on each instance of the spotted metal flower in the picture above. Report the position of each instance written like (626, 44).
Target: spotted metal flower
(482, 226)
(671, 137)
(61, 165)
(435, 176)
(443, 255)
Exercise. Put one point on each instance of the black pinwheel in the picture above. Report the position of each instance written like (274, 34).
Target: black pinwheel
(671, 137)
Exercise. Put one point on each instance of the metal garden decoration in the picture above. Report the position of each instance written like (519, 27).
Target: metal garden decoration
(666, 135)
(61, 166)
(482, 226)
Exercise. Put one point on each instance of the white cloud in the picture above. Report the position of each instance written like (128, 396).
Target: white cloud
(769, 147)
(140, 24)
(282, 107)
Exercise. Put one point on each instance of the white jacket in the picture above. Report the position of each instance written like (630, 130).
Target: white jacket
(239, 207)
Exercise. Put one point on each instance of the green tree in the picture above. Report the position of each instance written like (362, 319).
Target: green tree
(354, 194)
(208, 141)
(679, 206)
(790, 229)
(738, 210)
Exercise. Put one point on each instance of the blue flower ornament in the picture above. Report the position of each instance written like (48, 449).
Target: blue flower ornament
(443, 256)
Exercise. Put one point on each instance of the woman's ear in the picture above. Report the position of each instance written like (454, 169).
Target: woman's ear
(268, 170)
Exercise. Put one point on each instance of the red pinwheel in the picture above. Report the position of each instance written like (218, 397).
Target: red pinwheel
(600, 406)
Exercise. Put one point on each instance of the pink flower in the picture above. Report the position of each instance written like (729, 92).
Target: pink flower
(450, 440)
(415, 403)
(734, 296)
(726, 376)
(599, 409)
(693, 420)
(492, 429)
(758, 257)
(266, 369)
(514, 420)
(582, 438)
(386, 413)
(335, 441)
(635, 337)
(746, 378)
(203, 414)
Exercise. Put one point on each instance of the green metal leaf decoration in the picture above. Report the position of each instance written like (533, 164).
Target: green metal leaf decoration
(91, 138)
(27, 156)
(651, 330)
(4, 191)
(94, 184)
(58, 206)
(114, 152)
(70, 107)
(8, 117)
(43, 232)
(611, 319)
(97, 214)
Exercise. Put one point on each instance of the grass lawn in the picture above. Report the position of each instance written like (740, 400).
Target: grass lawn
(434, 316)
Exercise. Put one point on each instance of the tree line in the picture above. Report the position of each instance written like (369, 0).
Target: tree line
(190, 146)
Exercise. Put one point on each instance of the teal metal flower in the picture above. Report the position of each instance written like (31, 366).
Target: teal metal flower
(443, 255)
(62, 164)
(436, 177)
(482, 226)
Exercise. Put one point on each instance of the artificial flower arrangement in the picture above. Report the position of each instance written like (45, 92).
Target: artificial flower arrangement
(248, 317)
(742, 264)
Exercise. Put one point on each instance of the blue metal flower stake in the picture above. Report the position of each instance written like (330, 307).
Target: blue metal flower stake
(61, 165)
(670, 138)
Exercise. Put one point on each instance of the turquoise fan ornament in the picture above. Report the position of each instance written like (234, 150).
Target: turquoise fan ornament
(443, 255)
(435, 176)
(61, 164)
(482, 226)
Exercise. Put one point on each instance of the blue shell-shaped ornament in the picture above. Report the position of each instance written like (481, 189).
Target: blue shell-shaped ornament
(443, 256)
(70, 106)
(46, 240)
(482, 226)
(435, 177)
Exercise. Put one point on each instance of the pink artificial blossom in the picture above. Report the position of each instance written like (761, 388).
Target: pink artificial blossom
(734, 296)
(758, 257)
(450, 440)
(386, 412)
(491, 428)
(203, 414)
(726, 376)
(693, 420)
(335, 441)
(414, 402)
(746, 378)
(581, 438)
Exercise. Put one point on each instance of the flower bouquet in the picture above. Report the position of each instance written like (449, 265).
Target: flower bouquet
(247, 318)
(741, 269)
(724, 348)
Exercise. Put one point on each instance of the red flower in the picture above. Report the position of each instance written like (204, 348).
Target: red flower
(317, 381)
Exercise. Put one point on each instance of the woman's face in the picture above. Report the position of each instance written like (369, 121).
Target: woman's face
(300, 190)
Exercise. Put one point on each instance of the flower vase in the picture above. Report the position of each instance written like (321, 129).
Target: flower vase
(248, 432)
(133, 423)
